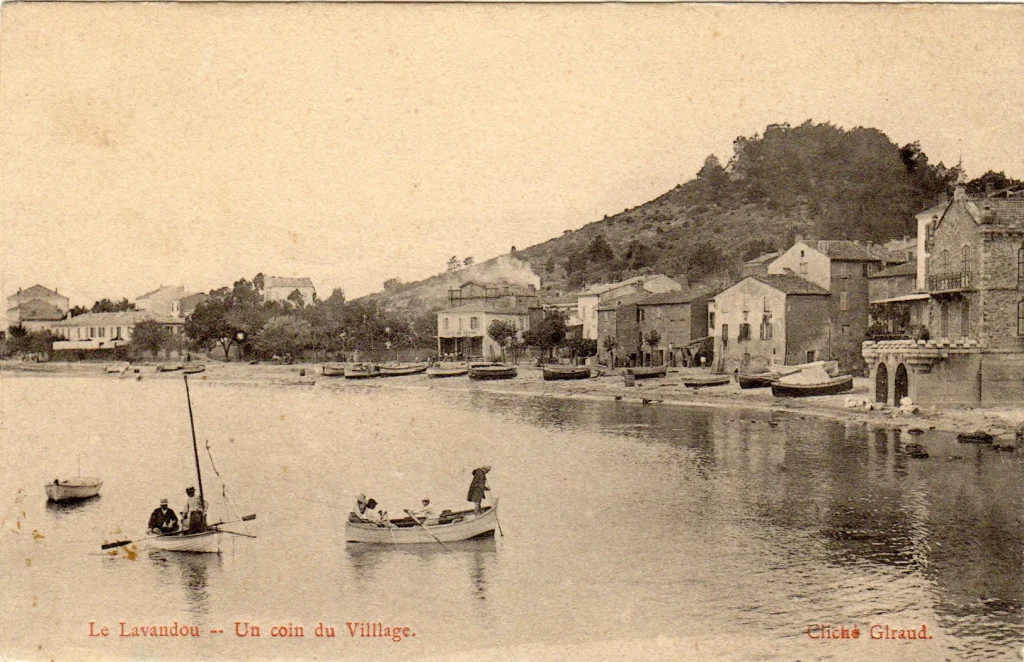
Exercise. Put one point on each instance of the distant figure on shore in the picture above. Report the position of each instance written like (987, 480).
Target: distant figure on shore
(478, 487)
(194, 516)
(163, 520)
(425, 512)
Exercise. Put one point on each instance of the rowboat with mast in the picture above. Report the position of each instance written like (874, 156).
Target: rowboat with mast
(208, 539)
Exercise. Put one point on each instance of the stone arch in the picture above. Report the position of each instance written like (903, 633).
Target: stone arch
(901, 387)
(882, 383)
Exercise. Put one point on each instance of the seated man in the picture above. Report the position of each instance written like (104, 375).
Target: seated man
(163, 520)
(423, 513)
(364, 510)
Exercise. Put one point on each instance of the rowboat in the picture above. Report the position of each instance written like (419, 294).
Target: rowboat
(976, 437)
(207, 542)
(402, 369)
(447, 370)
(193, 369)
(118, 368)
(647, 372)
(702, 381)
(80, 487)
(361, 371)
(493, 371)
(831, 386)
(764, 379)
(168, 367)
(451, 527)
(334, 370)
(559, 372)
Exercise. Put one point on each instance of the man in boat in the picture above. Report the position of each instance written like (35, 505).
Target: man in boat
(423, 513)
(365, 510)
(478, 487)
(163, 520)
(194, 516)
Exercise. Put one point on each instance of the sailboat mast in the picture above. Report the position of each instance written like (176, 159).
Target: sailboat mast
(195, 446)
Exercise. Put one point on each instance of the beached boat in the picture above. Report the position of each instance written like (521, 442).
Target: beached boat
(451, 527)
(559, 372)
(118, 368)
(334, 370)
(402, 369)
(764, 379)
(492, 371)
(703, 381)
(442, 370)
(361, 371)
(976, 437)
(193, 369)
(647, 372)
(831, 386)
(71, 489)
(168, 367)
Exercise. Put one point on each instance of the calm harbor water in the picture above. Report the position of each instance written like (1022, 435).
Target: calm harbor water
(711, 532)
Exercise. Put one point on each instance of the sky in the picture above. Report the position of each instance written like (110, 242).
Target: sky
(195, 144)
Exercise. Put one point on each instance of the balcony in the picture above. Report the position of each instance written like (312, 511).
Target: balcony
(953, 281)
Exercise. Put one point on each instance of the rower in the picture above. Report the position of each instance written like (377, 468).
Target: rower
(425, 512)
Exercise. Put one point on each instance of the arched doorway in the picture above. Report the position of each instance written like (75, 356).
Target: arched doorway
(882, 384)
(902, 386)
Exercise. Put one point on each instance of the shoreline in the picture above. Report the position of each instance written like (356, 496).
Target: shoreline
(669, 391)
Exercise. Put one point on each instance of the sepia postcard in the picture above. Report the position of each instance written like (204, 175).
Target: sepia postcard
(487, 331)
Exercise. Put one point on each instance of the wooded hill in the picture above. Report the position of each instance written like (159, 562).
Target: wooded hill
(814, 180)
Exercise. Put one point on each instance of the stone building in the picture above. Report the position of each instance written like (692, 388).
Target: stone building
(974, 280)
(678, 319)
(35, 308)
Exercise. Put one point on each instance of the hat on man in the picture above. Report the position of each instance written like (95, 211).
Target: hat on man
(163, 502)
(426, 500)
(189, 490)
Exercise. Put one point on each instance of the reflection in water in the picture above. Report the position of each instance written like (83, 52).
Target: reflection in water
(62, 508)
(191, 572)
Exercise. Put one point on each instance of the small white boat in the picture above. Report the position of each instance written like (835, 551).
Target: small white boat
(451, 527)
(334, 370)
(447, 370)
(118, 368)
(207, 542)
(80, 487)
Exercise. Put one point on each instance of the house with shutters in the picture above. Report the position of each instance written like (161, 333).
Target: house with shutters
(36, 308)
(770, 320)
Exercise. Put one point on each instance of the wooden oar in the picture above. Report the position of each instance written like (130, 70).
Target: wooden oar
(237, 533)
(247, 518)
(415, 519)
(122, 543)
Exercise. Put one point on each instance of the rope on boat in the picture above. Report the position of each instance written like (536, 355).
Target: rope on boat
(232, 510)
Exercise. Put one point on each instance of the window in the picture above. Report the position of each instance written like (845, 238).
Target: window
(944, 262)
(844, 301)
(639, 314)
(473, 323)
(103, 332)
(811, 356)
(744, 333)
(846, 329)
(967, 260)
(1020, 318)
(803, 268)
(965, 318)
(1020, 264)
(725, 332)
(766, 326)
(864, 269)
(711, 320)
(841, 270)
(446, 324)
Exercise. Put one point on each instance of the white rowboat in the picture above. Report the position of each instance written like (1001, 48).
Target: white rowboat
(463, 526)
(207, 542)
(81, 487)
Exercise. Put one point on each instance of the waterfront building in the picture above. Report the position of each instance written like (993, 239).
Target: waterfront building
(842, 268)
(473, 306)
(896, 307)
(766, 321)
(276, 288)
(95, 331)
(619, 319)
(568, 305)
(759, 265)
(971, 264)
(597, 295)
(36, 308)
(501, 293)
(679, 319)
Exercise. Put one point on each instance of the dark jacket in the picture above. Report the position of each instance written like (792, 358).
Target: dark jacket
(166, 521)
(477, 487)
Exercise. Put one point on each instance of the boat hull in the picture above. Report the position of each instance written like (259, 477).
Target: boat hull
(755, 381)
(361, 371)
(838, 385)
(333, 370)
(437, 372)
(492, 372)
(194, 370)
(703, 382)
(207, 542)
(73, 490)
(402, 371)
(473, 526)
(648, 373)
(558, 374)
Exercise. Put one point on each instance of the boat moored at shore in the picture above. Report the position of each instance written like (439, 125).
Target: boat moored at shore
(492, 371)
(361, 371)
(402, 369)
(563, 372)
